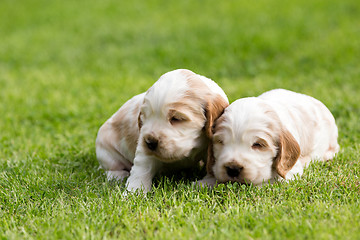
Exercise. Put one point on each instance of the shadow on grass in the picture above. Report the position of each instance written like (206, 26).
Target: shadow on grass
(74, 171)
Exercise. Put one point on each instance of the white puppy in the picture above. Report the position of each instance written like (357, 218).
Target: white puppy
(168, 127)
(260, 139)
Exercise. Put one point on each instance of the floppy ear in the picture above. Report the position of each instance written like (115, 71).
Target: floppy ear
(214, 108)
(288, 153)
(210, 161)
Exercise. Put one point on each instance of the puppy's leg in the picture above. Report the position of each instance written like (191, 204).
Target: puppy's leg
(115, 165)
(333, 149)
(142, 173)
(117, 175)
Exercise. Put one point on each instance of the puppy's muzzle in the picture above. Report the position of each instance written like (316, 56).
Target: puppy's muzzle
(151, 142)
(233, 170)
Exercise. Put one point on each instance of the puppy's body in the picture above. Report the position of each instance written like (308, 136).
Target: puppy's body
(165, 128)
(117, 139)
(272, 136)
(309, 121)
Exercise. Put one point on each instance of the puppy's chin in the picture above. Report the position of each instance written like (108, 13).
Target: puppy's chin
(240, 179)
(166, 157)
(234, 180)
(168, 154)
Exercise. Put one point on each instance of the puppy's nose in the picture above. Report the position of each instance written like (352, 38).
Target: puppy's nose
(233, 171)
(151, 143)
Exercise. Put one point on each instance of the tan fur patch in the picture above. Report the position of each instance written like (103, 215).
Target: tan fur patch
(288, 153)
(187, 105)
(213, 104)
(125, 126)
(217, 125)
(215, 107)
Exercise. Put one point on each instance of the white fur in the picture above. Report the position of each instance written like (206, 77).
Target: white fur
(247, 120)
(120, 145)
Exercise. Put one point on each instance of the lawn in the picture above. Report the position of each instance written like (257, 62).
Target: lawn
(67, 66)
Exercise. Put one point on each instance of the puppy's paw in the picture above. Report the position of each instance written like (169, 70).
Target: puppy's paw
(134, 192)
(117, 175)
(208, 181)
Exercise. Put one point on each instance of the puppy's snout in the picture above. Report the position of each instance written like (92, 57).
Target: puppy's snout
(233, 170)
(151, 142)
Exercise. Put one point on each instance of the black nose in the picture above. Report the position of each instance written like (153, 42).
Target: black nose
(233, 171)
(151, 143)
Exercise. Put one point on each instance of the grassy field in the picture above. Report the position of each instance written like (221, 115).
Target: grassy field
(66, 66)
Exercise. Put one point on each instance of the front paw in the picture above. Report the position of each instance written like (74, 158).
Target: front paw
(138, 185)
(207, 181)
(134, 191)
(117, 175)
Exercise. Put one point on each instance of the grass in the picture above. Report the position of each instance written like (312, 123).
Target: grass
(66, 66)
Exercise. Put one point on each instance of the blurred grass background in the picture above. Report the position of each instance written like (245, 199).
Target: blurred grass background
(66, 66)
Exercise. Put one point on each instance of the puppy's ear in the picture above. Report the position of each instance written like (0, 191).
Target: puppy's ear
(214, 108)
(210, 161)
(288, 153)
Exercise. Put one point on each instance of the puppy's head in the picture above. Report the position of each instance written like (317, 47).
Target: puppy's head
(250, 144)
(178, 113)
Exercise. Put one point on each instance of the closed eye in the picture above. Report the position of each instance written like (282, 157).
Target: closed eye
(175, 120)
(177, 117)
(260, 144)
(218, 140)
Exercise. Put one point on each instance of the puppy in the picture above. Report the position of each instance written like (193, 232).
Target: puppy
(167, 127)
(275, 135)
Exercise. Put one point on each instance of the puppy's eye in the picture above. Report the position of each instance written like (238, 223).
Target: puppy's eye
(259, 145)
(218, 140)
(175, 119)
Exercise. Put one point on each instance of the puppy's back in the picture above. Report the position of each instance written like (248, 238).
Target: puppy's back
(309, 120)
(120, 133)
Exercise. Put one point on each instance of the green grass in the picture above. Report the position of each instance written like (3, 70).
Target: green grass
(66, 66)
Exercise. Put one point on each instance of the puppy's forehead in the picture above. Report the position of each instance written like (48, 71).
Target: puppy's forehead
(168, 86)
(247, 114)
(178, 88)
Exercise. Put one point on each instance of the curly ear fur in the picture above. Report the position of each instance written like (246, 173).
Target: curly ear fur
(288, 153)
(214, 108)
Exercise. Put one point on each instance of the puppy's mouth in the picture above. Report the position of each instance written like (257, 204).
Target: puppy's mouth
(232, 172)
(230, 176)
(166, 153)
(166, 158)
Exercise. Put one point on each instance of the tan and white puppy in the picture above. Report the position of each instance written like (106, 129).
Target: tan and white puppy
(167, 127)
(275, 135)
